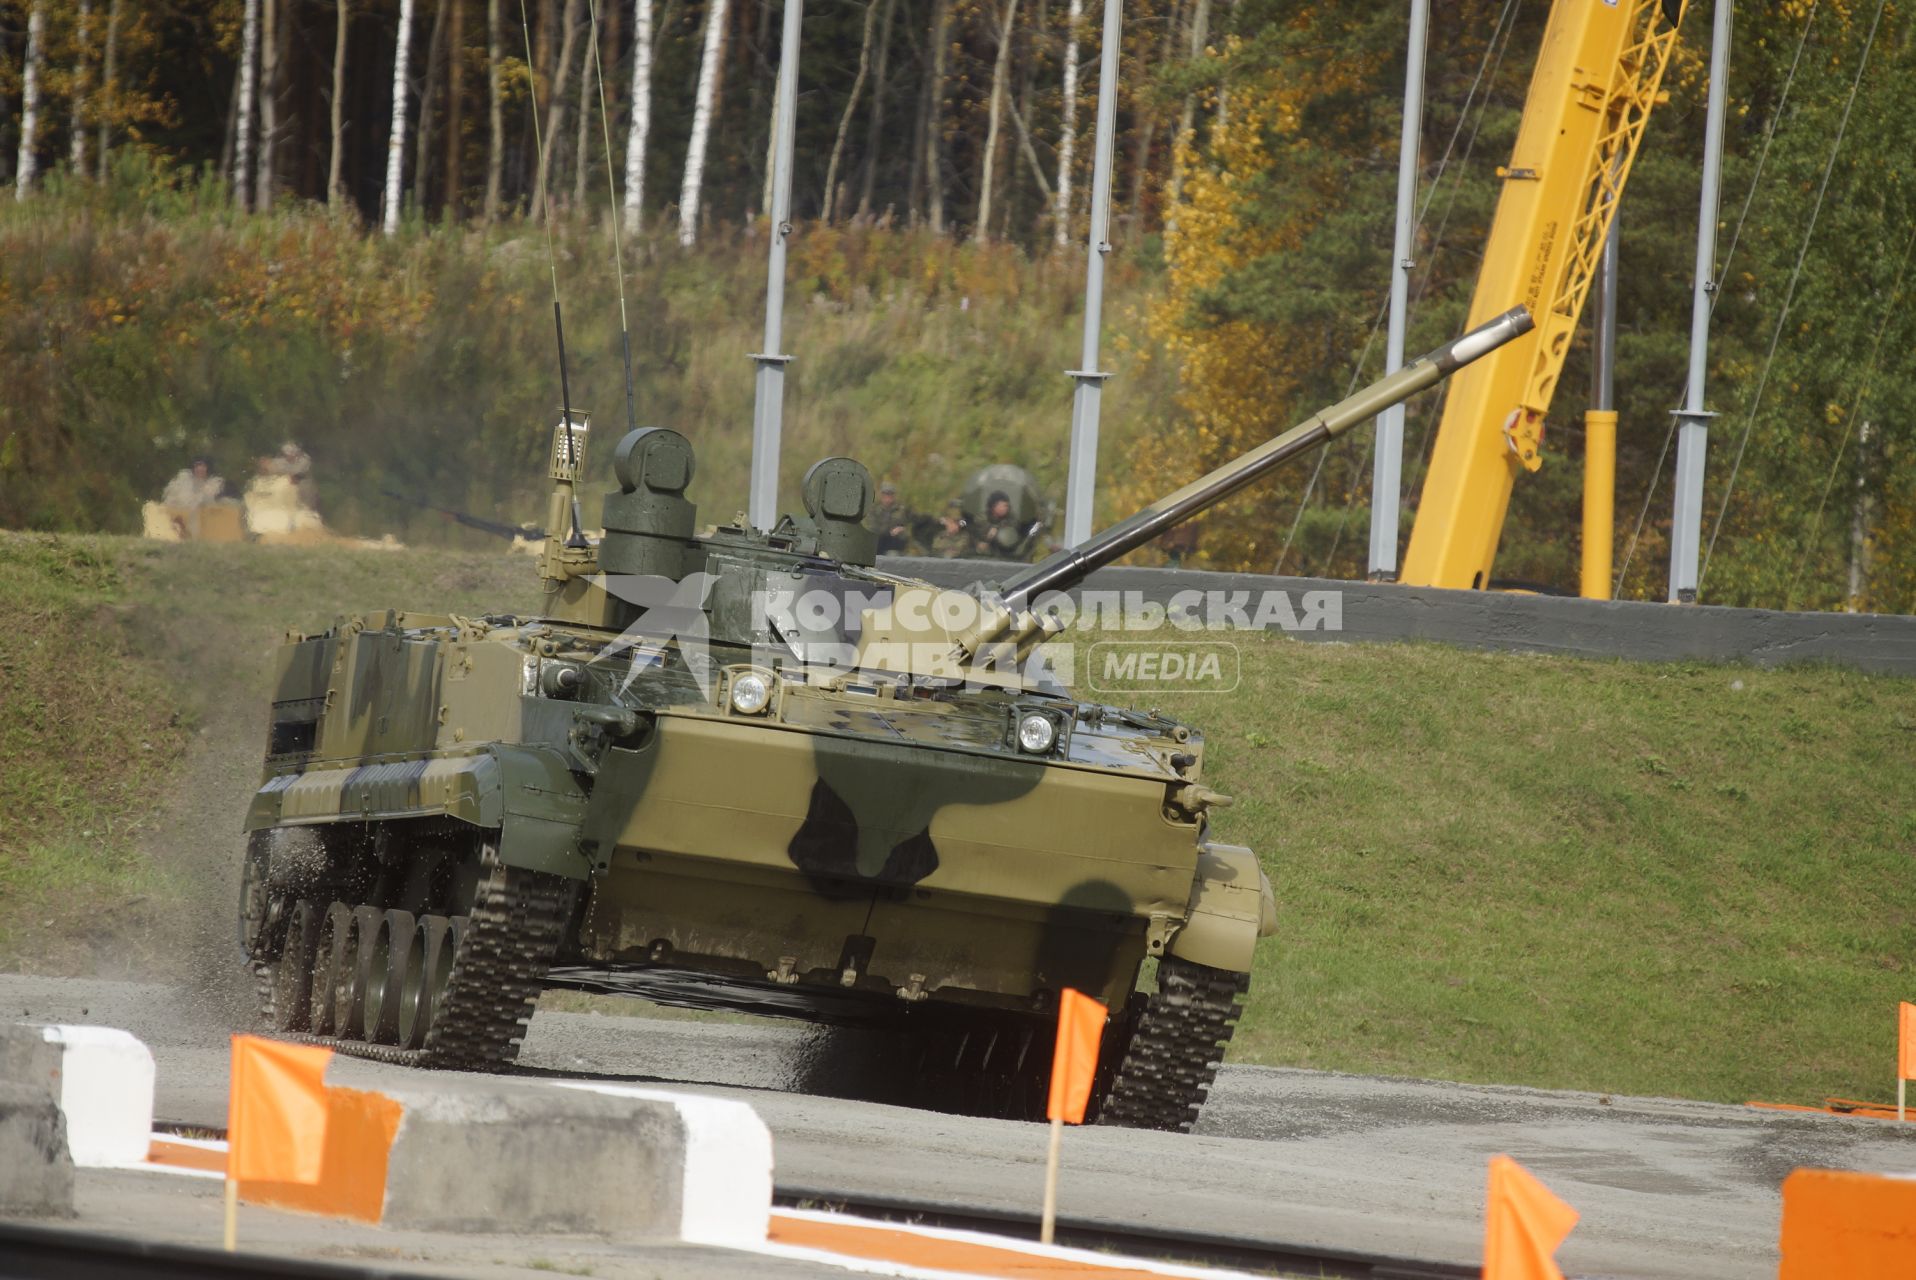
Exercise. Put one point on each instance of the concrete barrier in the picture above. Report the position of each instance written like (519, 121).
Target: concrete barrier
(36, 1173)
(100, 1078)
(1500, 620)
(466, 1153)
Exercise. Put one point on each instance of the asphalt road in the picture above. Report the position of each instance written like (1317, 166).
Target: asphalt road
(1665, 1188)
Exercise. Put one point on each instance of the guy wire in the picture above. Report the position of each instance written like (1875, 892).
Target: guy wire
(612, 213)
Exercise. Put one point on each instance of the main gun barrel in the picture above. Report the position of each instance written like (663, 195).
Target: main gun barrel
(1067, 568)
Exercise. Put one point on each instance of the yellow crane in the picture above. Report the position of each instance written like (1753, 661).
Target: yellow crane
(1597, 77)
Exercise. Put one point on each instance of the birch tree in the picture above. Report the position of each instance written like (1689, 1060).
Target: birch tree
(641, 115)
(582, 144)
(702, 100)
(1187, 113)
(335, 188)
(851, 108)
(495, 114)
(248, 90)
(1068, 126)
(993, 119)
(875, 126)
(82, 75)
(428, 94)
(396, 143)
(29, 165)
(268, 102)
(555, 109)
(109, 87)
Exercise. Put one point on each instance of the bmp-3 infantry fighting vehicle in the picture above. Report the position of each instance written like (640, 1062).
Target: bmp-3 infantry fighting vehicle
(743, 769)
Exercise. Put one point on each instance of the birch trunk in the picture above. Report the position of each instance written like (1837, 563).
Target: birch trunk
(641, 115)
(82, 75)
(396, 143)
(582, 147)
(701, 124)
(914, 187)
(268, 102)
(935, 120)
(1187, 113)
(1147, 133)
(555, 107)
(428, 93)
(249, 90)
(495, 115)
(875, 127)
(109, 88)
(29, 164)
(981, 231)
(851, 106)
(1068, 125)
(335, 191)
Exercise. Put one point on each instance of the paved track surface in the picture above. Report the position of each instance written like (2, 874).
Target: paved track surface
(1666, 1188)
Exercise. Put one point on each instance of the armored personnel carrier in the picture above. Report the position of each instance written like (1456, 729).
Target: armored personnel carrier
(746, 769)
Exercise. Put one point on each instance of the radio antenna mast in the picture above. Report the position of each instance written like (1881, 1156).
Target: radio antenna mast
(577, 537)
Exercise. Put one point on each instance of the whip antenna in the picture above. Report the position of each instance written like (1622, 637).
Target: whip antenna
(612, 212)
(577, 537)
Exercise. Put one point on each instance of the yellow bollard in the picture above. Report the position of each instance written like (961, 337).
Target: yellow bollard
(1599, 500)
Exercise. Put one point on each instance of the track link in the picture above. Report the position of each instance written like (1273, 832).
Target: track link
(1176, 1046)
(504, 947)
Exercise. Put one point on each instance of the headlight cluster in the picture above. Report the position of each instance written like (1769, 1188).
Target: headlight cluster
(751, 693)
(1037, 733)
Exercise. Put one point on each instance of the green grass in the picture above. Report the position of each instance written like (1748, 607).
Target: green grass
(88, 737)
(1685, 880)
(1660, 879)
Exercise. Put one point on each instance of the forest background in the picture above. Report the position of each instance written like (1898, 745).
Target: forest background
(220, 240)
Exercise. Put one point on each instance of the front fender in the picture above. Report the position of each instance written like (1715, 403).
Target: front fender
(1232, 906)
(526, 793)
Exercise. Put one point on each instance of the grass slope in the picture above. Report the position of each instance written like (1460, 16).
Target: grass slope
(1687, 880)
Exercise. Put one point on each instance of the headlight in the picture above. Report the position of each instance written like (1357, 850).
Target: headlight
(750, 693)
(1036, 734)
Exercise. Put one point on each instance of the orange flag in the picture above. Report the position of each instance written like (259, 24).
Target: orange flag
(1906, 1041)
(1080, 1026)
(276, 1112)
(1523, 1225)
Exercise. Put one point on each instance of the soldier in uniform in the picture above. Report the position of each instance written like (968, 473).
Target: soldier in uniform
(193, 487)
(296, 465)
(951, 541)
(894, 522)
(1002, 537)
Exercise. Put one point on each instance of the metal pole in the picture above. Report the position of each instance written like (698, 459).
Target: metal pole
(768, 406)
(1600, 430)
(1387, 459)
(1693, 429)
(1080, 485)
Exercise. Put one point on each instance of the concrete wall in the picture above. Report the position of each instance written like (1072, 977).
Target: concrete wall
(1367, 611)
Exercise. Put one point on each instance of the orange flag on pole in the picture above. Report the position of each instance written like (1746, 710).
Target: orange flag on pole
(276, 1112)
(1906, 1041)
(1073, 1066)
(1523, 1225)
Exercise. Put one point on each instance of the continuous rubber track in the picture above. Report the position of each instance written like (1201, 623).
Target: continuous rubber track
(498, 971)
(1177, 1044)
